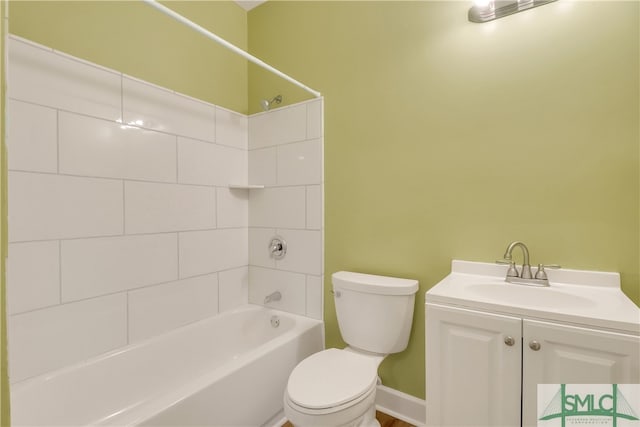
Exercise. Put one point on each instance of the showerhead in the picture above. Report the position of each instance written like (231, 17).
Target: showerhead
(266, 104)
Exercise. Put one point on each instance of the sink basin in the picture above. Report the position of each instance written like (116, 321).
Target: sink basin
(507, 293)
(581, 297)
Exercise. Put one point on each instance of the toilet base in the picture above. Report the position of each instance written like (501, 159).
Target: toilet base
(360, 414)
(369, 419)
(366, 420)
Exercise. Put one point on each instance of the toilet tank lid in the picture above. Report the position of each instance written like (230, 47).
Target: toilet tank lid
(372, 284)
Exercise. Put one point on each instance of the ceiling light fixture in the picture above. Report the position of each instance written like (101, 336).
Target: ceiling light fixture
(488, 10)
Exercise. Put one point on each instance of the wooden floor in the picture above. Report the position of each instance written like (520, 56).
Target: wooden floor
(388, 421)
(384, 420)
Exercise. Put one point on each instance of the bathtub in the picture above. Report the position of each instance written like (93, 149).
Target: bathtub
(228, 370)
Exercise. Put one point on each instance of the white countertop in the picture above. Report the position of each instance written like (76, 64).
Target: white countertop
(578, 297)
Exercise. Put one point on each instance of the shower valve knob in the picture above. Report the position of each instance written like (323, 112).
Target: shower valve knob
(278, 247)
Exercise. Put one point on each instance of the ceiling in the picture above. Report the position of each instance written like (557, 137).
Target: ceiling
(249, 4)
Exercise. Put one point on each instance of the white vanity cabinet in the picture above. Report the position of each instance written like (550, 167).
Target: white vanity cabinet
(481, 366)
(574, 355)
(486, 356)
(473, 377)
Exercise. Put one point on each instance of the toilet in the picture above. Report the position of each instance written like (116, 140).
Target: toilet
(338, 387)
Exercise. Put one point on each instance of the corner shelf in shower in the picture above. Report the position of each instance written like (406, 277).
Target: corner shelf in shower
(245, 186)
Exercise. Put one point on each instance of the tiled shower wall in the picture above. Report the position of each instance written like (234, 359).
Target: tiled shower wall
(285, 155)
(121, 222)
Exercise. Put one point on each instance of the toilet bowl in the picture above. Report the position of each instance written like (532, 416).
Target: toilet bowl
(338, 387)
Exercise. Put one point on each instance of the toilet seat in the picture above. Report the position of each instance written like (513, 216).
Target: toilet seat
(332, 379)
(356, 406)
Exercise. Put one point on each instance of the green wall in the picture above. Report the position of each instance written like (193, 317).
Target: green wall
(447, 140)
(140, 41)
(443, 139)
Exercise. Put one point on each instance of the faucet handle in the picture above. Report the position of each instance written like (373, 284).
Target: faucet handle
(512, 271)
(541, 274)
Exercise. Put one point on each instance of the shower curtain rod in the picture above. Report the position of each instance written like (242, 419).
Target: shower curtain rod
(228, 45)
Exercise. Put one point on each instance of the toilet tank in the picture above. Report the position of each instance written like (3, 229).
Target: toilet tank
(374, 313)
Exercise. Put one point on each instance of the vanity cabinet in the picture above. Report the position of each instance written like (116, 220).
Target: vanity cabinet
(483, 368)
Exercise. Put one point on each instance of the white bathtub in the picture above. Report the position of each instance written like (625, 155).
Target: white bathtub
(228, 370)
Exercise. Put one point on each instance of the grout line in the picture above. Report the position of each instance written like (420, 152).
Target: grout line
(178, 253)
(64, 238)
(113, 121)
(128, 326)
(282, 270)
(121, 98)
(57, 141)
(277, 168)
(306, 207)
(108, 236)
(60, 270)
(114, 178)
(282, 144)
(215, 208)
(218, 286)
(215, 124)
(124, 210)
(177, 162)
(306, 295)
(306, 121)
(125, 291)
(56, 107)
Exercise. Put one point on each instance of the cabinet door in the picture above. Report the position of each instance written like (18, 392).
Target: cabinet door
(573, 355)
(473, 376)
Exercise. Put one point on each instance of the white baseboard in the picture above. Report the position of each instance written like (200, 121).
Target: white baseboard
(401, 406)
(276, 421)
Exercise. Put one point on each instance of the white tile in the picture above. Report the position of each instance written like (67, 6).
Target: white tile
(232, 128)
(203, 252)
(300, 163)
(94, 147)
(158, 109)
(155, 208)
(233, 288)
(304, 251)
(259, 239)
(46, 78)
(92, 267)
(315, 297)
(292, 287)
(263, 169)
(45, 207)
(315, 120)
(32, 140)
(210, 164)
(33, 276)
(277, 207)
(43, 340)
(160, 308)
(314, 207)
(233, 207)
(278, 127)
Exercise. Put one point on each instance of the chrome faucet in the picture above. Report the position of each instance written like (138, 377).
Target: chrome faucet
(524, 277)
(526, 267)
(276, 296)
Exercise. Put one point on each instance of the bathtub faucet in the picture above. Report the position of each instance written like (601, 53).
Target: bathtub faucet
(276, 296)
